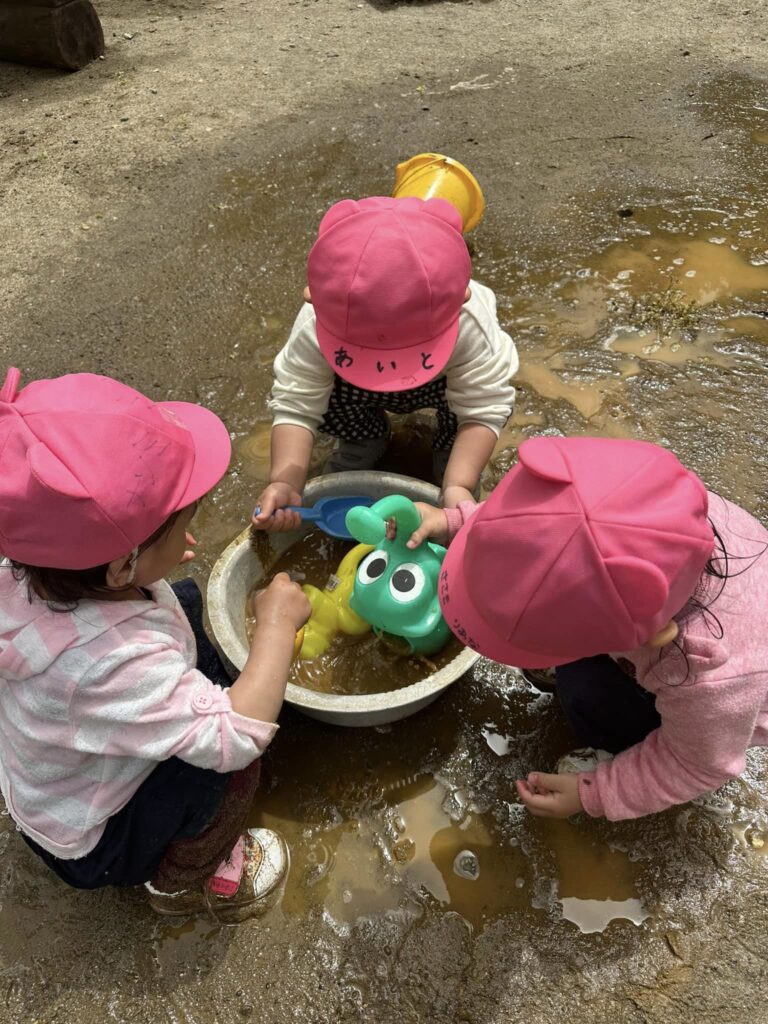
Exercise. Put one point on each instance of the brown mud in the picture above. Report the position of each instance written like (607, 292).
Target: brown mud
(156, 214)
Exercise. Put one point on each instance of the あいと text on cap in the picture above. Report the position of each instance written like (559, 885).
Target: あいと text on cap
(388, 278)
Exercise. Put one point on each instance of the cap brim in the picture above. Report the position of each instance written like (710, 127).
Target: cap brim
(388, 369)
(213, 448)
(466, 622)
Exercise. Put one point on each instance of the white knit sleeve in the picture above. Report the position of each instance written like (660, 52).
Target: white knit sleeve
(479, 373)
(303, 379)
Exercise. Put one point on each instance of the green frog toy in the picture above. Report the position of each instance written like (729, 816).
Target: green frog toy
(395, 588)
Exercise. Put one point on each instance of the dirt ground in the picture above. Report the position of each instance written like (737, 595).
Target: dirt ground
(155, 212)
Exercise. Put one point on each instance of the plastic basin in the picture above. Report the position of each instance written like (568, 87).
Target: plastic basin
(239, 570)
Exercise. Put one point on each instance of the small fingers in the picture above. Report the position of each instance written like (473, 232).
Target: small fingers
(546, 783)
(282, 521)
(418, 536)
(537, 803)
(261, 518)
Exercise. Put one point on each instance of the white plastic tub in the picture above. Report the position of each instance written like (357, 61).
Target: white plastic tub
(238, 571)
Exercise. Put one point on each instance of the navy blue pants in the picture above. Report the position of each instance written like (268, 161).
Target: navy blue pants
(604, 705)
(177, 801)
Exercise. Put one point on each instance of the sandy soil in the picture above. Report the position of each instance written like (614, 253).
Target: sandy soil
(155, 213)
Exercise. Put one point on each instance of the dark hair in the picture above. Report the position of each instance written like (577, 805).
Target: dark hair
(61, 589)
(718, 568)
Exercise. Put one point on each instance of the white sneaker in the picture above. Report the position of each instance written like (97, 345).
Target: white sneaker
(264, 866)
(585, 759)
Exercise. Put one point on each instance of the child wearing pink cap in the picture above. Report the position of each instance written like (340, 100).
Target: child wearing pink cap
(611, 561)
(125, 755)
(392, 324)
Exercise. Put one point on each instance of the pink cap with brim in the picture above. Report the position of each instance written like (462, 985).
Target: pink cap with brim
(587, 546)
(388, 278)
(90, 468)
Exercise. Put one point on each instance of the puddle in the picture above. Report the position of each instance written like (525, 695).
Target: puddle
(595, 883)
(399, 824)
(656, 332)
(751, 837)
(678, 289)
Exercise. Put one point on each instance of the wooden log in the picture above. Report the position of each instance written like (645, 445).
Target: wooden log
(50, 33)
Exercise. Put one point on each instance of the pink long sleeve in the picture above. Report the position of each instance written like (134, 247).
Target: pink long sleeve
(459, 516)
(708, 723)
(712, 698)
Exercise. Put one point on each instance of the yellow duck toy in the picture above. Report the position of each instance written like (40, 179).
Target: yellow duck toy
(331, 613)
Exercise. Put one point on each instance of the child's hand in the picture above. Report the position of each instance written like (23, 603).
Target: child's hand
(273, 499)
(550, 796)
(281, 602)
(453, 496)
(434, 526)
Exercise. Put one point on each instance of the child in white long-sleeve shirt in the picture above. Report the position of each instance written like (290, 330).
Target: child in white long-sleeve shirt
(392, 324)
(124, 757)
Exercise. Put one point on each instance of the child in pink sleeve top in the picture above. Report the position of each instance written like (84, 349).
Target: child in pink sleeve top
(125, 755)
(610, 560)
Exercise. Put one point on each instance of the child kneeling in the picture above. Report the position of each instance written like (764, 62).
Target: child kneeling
(125, 757)
(611, 561)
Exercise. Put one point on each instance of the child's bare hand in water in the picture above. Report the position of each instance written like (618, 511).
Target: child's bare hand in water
(273, 499)
(550, 796)
(282, 602)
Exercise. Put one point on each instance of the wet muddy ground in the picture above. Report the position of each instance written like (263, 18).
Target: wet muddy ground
(623, 155)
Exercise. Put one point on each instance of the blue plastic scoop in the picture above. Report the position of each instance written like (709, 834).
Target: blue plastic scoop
(329, 514)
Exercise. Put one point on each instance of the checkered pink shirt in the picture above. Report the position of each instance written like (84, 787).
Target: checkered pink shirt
(91, 700)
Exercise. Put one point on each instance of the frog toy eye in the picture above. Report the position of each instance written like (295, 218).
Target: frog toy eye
(373, 567)
(407, 582)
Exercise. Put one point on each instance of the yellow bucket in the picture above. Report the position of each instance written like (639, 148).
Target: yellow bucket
(432, 176)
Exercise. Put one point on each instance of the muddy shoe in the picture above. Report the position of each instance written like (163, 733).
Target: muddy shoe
(356, 455)
(259, 863)
(586, 759)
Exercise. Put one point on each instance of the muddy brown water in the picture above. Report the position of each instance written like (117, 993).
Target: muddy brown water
(351, 665)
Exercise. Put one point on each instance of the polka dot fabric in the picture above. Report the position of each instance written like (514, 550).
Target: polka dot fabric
(355, 414)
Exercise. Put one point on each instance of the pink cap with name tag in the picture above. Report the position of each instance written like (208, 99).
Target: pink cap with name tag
(388, 278)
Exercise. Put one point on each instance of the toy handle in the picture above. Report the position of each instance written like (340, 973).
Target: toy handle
(308, 515)
(369, 525)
